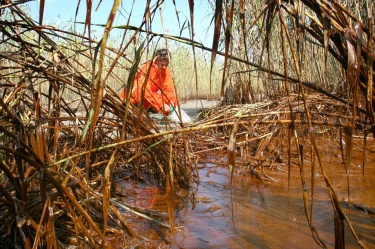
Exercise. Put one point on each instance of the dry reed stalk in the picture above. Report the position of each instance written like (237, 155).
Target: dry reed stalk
(43, 142)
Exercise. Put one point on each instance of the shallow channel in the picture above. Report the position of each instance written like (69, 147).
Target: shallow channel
(255, 214)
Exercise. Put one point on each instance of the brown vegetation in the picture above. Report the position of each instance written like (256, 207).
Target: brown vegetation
(65, 133)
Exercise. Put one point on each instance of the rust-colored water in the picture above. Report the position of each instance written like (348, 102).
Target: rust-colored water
(252, 214)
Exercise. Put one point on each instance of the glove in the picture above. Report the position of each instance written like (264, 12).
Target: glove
(166, 109)
(171, 109)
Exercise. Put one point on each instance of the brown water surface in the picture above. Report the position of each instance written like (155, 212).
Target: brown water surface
(253, 214)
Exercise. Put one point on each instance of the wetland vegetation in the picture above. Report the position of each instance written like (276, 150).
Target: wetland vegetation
(286, 157)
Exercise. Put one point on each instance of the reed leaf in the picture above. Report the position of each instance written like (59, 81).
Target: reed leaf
(41, 11)
(50, 228)
(232, 151)
(217, 29)
(169, 189)
(41, 221)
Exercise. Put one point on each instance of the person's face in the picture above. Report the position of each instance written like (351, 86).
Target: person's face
(162, 64)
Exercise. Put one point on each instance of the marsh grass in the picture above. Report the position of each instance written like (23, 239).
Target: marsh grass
(66, 135)
(184, 74)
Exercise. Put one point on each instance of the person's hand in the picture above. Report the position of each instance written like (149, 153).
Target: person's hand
(166, 109)
(172, 110)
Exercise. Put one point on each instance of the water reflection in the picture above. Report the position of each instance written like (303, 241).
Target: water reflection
(254, 214)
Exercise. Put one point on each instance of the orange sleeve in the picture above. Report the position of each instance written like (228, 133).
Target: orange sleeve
(168, 93)
(138, 82)
(123, 94)
(151, 93)
(144, 77)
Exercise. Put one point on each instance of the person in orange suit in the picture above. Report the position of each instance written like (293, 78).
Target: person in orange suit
(159, 94)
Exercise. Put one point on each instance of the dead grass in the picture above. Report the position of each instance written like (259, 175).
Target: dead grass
(59, 156)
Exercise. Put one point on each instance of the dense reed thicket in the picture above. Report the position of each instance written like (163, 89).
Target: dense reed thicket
(66, 135)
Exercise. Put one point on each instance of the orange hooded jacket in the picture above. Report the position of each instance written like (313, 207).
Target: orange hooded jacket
(159, 88)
